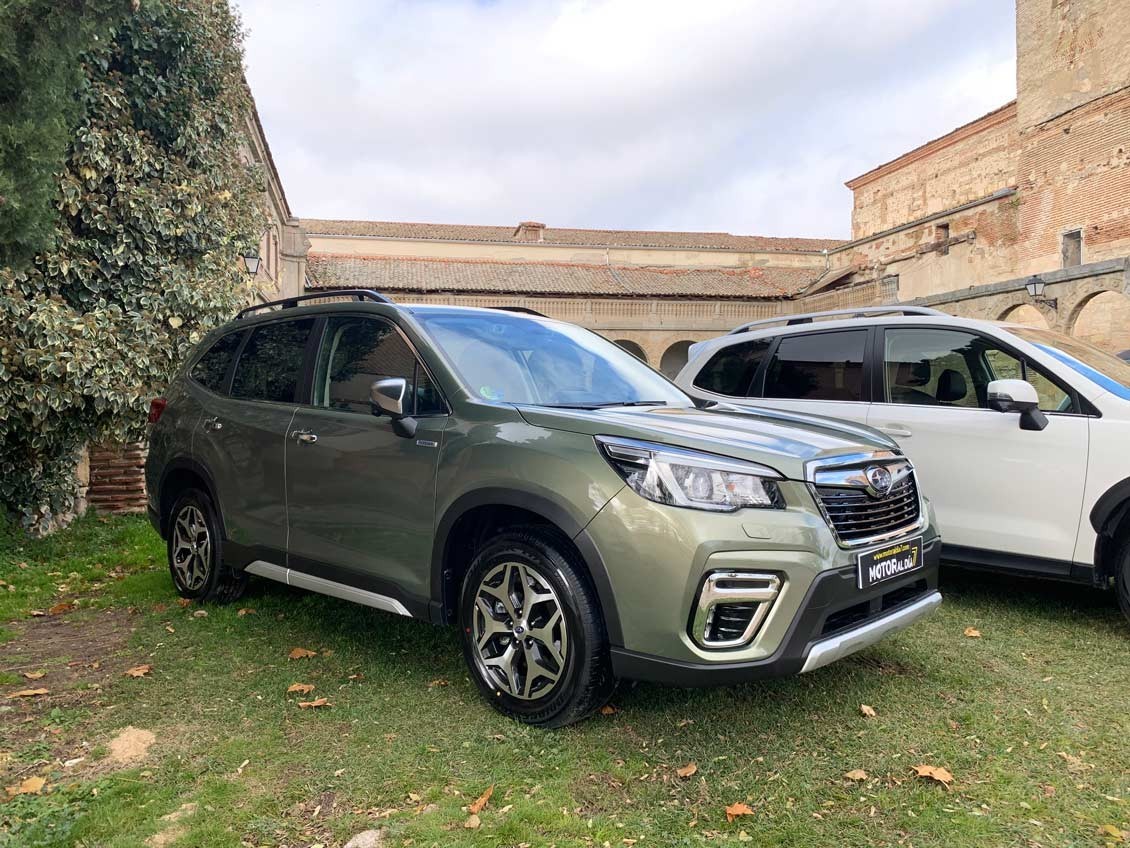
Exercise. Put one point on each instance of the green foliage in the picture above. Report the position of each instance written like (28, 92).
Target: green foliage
(41, 81)
(154, 205)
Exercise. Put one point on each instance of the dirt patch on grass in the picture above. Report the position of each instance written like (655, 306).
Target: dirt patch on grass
(74, 657)
(130, 747)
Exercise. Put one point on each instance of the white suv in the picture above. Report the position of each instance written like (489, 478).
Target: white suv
(1020, 436)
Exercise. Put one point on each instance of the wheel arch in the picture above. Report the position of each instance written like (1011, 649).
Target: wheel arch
(1109, 517)
(455, 533)
(182, 473)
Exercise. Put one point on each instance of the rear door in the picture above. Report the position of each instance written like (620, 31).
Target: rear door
(995, 488)
(361, 499)
(241, 434)
(819, 372)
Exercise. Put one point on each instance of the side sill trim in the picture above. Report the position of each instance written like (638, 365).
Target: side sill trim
(836, 647)
(326, 587)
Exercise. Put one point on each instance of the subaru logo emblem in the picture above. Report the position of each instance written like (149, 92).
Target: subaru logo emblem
(879, 480)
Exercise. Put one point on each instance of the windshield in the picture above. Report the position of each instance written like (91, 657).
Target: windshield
(511, 359)
(1100, 367)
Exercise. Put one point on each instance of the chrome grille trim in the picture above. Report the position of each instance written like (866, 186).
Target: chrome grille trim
(857, 514)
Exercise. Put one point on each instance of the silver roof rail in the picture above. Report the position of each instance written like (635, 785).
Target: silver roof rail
(858, 312)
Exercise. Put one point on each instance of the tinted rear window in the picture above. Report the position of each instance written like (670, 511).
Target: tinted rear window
(818, 366)
(271, 363)
(211, 370)
(732, 369)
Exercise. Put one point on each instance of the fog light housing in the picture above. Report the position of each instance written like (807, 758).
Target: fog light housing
(731, 607)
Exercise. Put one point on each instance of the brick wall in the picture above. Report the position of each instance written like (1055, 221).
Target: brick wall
(117, 478)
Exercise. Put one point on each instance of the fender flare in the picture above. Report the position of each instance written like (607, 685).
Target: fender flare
(551, 511)
(186, 463)
(1114, 499)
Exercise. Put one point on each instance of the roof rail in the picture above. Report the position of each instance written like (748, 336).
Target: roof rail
(291, 302)
(522, 310)
(858, 312)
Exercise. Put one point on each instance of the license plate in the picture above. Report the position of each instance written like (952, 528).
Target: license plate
(890, 562)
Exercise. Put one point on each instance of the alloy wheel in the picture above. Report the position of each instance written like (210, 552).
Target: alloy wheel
(520, 636)
(192, 548)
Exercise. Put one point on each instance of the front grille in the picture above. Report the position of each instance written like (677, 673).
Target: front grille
(856, 515)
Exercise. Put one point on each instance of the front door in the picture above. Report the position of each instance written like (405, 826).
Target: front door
(995, 487)
(241, 434)
(361, 498)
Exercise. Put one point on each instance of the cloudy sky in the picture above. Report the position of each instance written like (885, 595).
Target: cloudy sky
(745, 116)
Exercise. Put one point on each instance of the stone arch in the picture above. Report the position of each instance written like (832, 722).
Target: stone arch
(634, 348)
(674, 358)
(1103, 319)
(1027, 314)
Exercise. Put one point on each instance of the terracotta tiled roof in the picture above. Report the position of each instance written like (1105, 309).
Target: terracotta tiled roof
(558, 236)
(472, 276)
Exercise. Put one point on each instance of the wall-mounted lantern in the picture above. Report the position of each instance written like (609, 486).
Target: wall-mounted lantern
(1035, 288)
(251, 263)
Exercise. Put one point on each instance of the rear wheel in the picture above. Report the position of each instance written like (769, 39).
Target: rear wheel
(533, 636)
(1122, 574)
(195, 556)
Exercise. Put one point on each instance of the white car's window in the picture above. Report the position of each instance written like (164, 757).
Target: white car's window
(818, 366)
(1108, 371)
(933, 367)
(731, 370)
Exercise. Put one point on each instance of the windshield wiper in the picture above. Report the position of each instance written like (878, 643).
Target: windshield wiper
(604, 404)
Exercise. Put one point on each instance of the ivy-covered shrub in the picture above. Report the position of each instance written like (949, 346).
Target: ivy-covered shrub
(155, 205)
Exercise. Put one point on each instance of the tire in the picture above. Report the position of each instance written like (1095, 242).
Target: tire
(1122, 574)
(537, 567)
(195, 551)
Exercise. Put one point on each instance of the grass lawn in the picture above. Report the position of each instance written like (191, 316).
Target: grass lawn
(1031, 718)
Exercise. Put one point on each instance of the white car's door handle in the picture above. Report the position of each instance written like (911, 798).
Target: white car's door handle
(896, 430)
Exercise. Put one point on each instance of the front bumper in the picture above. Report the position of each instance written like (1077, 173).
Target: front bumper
(835, 619)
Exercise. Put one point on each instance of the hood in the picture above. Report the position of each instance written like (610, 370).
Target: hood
(784, 441)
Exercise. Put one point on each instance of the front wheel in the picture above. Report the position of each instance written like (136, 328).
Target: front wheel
(195, 556)
(1122, 575)
(532, 631)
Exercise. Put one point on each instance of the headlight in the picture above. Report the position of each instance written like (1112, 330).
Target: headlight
(692, 479)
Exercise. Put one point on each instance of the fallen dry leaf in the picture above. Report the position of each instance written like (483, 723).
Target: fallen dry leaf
(301, 653)
(481, 801)
(200, 613)
(37, 613)
(245, 611)
(935, 773)
(856, 774)
(28, 693)
(61, 607)
(472, 822)
(183, 602)
(357, 676)
(867, 710)
(317, 702)
(138, 670)
(739, 809)
(972, 632)
(28, 786)
(439, 681)
(1111, 830)
(300, 688)
(689, 770)
(608, 709)
(34, 675)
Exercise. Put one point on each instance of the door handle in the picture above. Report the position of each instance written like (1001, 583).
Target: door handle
(896, 430)
(304, 436)
(212, 424)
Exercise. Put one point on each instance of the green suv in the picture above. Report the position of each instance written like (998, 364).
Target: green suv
(572, 511)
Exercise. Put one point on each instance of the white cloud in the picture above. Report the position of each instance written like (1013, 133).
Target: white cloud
(717, 115)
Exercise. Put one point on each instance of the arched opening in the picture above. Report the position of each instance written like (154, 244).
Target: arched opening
(1104, 321)
(632, 348)
(1026, 314)
(674, 358)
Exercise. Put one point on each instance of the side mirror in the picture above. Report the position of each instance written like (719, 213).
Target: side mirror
(388, 396)
(1018, 396)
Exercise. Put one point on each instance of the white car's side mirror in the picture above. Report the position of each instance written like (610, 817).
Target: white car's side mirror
(1017, 396)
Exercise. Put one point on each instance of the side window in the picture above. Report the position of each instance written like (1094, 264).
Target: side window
(818, 366)
(271, 362)
(731, 370)
(929, 367)
(356, 352)
(211, 370)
